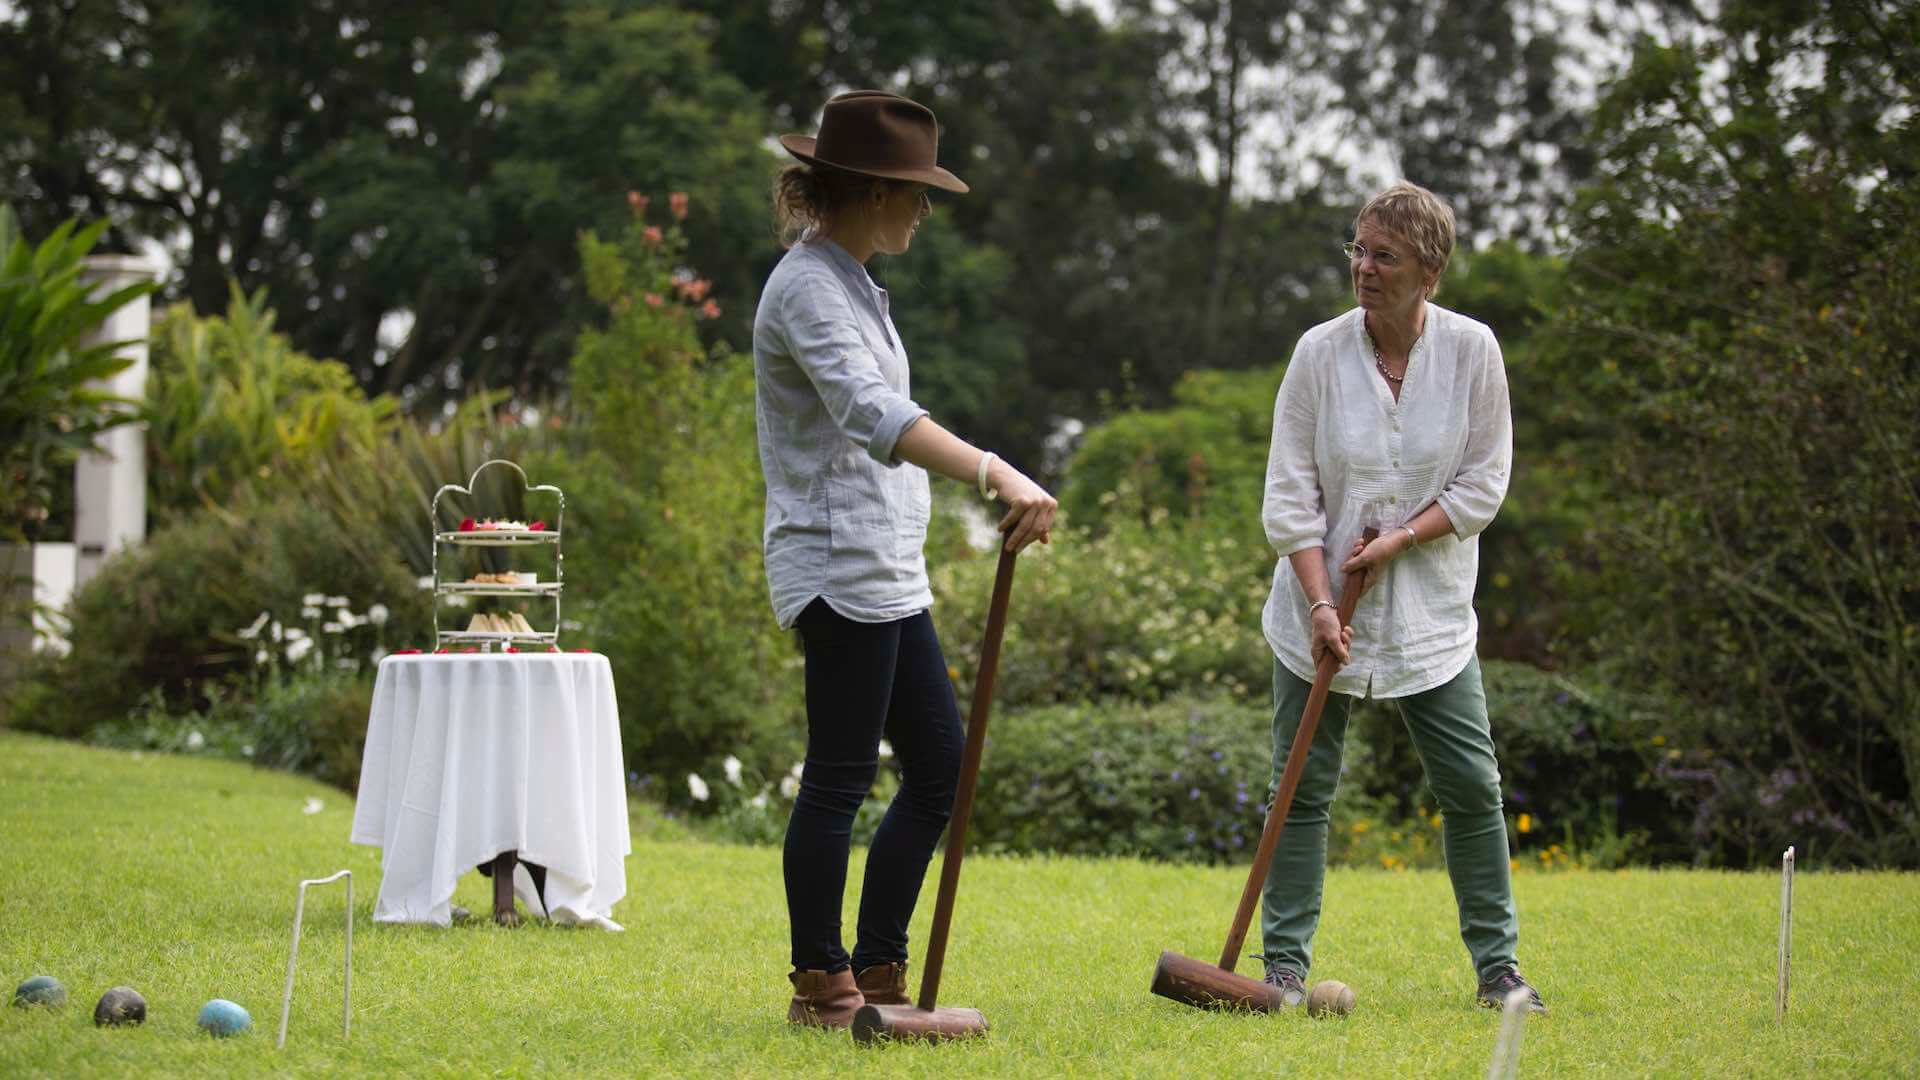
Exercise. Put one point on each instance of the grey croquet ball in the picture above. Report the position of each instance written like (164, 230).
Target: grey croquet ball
(221, 1018)
(1330, 998)
(42, 990)
(120, 1005)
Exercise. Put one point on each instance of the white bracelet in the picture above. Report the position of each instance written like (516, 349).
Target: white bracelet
(980, 476)
(1413, 535)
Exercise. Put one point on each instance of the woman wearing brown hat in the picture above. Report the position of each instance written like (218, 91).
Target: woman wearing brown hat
(845, 452)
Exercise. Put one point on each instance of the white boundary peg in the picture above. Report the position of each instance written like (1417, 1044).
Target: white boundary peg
(1786, 937)
(1506, 1046)
(293, 959)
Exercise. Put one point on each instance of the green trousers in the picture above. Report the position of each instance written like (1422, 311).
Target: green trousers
(1451, 734)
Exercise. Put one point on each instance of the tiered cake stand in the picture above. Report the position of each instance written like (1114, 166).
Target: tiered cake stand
(497, 538)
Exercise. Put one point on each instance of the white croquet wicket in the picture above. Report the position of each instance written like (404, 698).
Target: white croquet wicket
(1506, 1046)
(293, 958)
(1786, 937)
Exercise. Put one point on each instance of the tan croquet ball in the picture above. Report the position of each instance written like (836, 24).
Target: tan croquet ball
(1332, 997)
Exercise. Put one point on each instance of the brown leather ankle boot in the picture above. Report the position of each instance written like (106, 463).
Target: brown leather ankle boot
(823, 1000)
(884, 984)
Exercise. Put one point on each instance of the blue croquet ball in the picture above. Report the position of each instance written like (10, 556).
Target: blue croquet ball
(221, 1018)
(40, 990)
(120, 1005)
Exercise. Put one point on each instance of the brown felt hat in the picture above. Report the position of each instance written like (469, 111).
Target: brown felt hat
(879, 134)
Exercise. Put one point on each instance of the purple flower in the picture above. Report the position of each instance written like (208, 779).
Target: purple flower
(1174, 776)
(1193, 793)
(1217, 755)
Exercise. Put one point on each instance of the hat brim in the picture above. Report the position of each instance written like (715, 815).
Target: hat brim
(802, 146)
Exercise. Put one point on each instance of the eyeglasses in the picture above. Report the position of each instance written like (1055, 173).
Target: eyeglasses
(1385, 260)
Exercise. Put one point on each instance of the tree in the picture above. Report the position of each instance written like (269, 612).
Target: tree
(1739, 316)
(405, 182)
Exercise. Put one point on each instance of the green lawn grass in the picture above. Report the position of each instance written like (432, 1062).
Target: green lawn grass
(178, 876)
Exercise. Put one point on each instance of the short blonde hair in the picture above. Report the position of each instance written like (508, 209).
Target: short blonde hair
(1412, 211)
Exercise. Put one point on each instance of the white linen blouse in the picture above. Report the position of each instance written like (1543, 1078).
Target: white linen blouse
(1346, 455)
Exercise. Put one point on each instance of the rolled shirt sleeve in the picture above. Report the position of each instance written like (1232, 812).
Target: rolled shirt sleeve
(824, 336)
(1293, 510)
(1472, 498)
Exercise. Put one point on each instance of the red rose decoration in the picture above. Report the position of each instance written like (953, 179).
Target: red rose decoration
(466, 524)
(442, 649)
(538, 526)
(406, 652)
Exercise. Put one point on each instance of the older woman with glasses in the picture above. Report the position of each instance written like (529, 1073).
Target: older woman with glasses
(1393, 416)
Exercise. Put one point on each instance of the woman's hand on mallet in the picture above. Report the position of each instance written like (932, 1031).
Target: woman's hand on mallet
(1375, 556)
(1330, 638)
(1031, 509)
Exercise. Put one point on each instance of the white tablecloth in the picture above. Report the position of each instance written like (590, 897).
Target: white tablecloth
(469, 755)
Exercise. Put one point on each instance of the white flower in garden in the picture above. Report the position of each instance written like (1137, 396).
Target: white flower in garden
(795, 771)
(313, 599)
(731, 766)
(247, 750)
(298, 649)
(313, 806)
(294, 633)
(758, 802)
(377, 614)
(379, 655)
(425, 582)
(331, 628)
(789, 787)
(279, 632)
(338, 601)
(253, 631)
(309, 612)
(195, 740)
(260, 656)
(886, 749)
(697, 786)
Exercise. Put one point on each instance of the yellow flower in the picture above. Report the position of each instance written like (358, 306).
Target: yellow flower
(1525, 823)
(1359, 827)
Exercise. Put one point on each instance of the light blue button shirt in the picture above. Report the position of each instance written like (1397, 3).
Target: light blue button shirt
(845, 520)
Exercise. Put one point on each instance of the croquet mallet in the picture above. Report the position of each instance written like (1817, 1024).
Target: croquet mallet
(1204, 985)
(924, 1019)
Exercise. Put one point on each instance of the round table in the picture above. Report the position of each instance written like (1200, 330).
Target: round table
(470, 755)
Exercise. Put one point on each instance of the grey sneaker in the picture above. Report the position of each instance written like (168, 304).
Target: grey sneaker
(1493, 992)
(1293, 989)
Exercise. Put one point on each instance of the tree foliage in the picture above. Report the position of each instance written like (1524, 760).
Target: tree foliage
(1740, 325)
(406, 183)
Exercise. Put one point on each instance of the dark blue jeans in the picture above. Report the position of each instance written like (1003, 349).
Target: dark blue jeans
(866, 681)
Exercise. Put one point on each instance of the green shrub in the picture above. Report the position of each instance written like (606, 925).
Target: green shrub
(170, 617)
(231, 405)
(313, 721)
(1133, 612)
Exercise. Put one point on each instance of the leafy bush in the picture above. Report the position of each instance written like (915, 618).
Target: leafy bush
(1134, 613)
(166, 621)
(313, 721)
(50, 408)
(232, 405)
